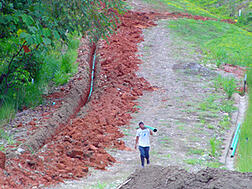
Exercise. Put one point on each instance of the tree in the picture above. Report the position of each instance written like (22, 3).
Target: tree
(29, 28)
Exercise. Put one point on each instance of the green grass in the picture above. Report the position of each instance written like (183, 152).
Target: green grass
(209, 104)
(195, 151)
(215, 147)
(225, 123)
(100, 185)
(182, 6)
(213, 164)
(224, 9)
(220, 42)
(227, 106)
(7, 112)
(9, 140)
(209, 126)
(229, 9)
(244, 159)
(214, 104)
(213, 8)
(193, 161)
(166, 156)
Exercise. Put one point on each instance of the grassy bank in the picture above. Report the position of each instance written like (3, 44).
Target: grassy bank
(229, 9)
(244, 158)
(220, 42)
(223, 43)
(215, 9)
(183, 6)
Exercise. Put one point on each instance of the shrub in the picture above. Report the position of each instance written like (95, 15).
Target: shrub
(229, 86)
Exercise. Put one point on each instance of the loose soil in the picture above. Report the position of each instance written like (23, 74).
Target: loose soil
(172, 83)
(174, 178)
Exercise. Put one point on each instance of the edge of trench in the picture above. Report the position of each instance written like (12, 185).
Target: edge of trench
(226, 155)
(38, 140)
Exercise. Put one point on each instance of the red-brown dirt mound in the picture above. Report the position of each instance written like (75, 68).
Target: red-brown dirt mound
(81, 143)
(175, 178)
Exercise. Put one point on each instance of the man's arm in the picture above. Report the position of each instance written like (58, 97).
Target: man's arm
(137, 138)
(151, 133)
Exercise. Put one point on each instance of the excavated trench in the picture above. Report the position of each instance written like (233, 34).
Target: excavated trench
(78, 143)
(71, 144)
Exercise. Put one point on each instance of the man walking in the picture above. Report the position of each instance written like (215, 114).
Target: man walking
(143, 141)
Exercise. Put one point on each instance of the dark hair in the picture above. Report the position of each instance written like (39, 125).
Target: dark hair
(140, 123)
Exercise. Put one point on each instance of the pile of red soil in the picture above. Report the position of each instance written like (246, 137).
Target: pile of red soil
(81, 144)
(236, 70)
(173, 177)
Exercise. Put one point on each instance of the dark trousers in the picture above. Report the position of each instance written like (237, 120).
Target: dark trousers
(144, 153)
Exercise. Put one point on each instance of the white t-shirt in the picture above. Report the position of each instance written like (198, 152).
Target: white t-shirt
(144, 137)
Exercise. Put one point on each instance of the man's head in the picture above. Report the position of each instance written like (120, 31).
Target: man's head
(141, 125)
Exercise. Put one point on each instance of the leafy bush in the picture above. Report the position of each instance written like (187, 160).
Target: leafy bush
(32, 34)
(227, 106)
(229, 86)
(214, 145)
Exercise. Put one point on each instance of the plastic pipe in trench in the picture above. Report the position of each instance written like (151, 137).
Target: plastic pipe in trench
(235, 144)
(235, 136)
(235, 140)
(92, 86)
(92, 76)
(237, 132)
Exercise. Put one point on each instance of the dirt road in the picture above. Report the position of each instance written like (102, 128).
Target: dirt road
(182, 84)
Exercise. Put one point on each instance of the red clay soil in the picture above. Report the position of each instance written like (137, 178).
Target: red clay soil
(239, 72)
(81, 144)
(236, 70)
(76, 146)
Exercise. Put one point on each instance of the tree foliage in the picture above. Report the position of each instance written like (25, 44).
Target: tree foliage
(29, 29)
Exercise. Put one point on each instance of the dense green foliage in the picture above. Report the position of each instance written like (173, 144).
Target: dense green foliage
(32, 37)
